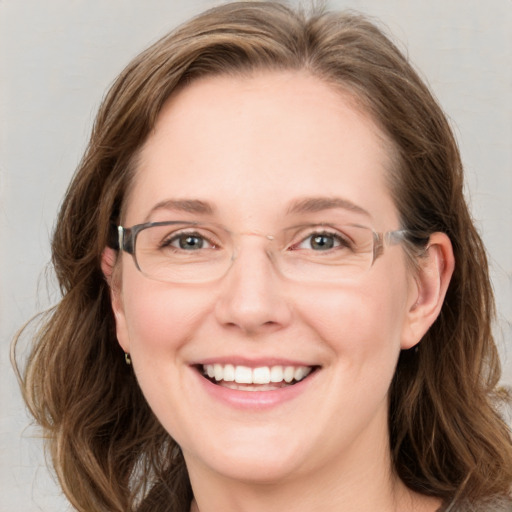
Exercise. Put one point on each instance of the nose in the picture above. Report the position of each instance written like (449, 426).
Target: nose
(252, 295)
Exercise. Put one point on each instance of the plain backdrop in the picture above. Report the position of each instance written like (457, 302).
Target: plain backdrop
(57, 58)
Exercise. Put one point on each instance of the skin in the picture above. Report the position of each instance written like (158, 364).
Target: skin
(250, 147)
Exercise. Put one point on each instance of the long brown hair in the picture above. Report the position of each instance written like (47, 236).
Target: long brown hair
(108, 449)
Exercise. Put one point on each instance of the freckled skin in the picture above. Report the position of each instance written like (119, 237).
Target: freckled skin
(250, 146)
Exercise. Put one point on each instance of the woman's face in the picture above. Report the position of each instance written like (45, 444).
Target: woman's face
(257, 155)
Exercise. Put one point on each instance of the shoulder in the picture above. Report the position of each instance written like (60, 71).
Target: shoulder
(487, 505)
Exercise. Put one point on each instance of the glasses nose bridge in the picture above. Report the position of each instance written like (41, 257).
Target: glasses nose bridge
(267, 239)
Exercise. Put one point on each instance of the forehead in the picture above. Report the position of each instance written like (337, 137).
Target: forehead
(251, 145)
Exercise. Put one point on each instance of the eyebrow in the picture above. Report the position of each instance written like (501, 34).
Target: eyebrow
(318, 204)
(183, 205)
(305, 205)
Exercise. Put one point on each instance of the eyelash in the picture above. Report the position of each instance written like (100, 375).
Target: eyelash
(339, 240)
(175, 237)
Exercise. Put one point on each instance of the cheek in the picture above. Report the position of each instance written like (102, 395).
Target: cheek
(362, 321)
(160, 317)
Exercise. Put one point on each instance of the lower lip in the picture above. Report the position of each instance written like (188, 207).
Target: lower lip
(255, 400)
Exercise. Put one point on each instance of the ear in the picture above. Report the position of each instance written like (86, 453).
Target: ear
(435, 269)
(111, 271)
(108, 261)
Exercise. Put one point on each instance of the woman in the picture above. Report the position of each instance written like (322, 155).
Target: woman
(274, 297)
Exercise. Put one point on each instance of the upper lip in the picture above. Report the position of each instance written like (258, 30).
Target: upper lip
(253, 363)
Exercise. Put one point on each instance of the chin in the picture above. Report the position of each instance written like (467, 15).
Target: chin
(256, 470)
(254, 458)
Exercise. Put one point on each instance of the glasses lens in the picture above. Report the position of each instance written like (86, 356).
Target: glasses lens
(181, 252)
(188, 253)
(327, 253)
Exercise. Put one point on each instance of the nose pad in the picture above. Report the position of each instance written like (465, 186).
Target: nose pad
(251, 295)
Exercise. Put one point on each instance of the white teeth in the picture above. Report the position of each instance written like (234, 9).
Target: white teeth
(218, 372)
(299, 374)
(229, 373)
(243, 375)
(259, 375)
(276, 374)
(288, 373)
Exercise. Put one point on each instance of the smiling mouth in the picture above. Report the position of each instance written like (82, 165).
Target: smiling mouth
(263, 378)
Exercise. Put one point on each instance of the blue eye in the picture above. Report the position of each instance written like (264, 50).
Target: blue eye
(322, 242)
(191, 242)
(188, 242)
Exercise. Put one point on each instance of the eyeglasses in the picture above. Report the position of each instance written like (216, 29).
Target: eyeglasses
(194, 252)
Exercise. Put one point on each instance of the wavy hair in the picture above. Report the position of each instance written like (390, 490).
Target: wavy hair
(109, 451)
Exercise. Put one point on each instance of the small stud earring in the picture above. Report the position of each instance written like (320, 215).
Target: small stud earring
(127, 359)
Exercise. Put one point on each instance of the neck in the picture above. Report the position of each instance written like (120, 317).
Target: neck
(357, 482)
(404, 500)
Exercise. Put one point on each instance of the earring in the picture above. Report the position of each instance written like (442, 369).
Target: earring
(127, 359)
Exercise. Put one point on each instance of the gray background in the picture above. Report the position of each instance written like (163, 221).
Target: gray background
(57, 58)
